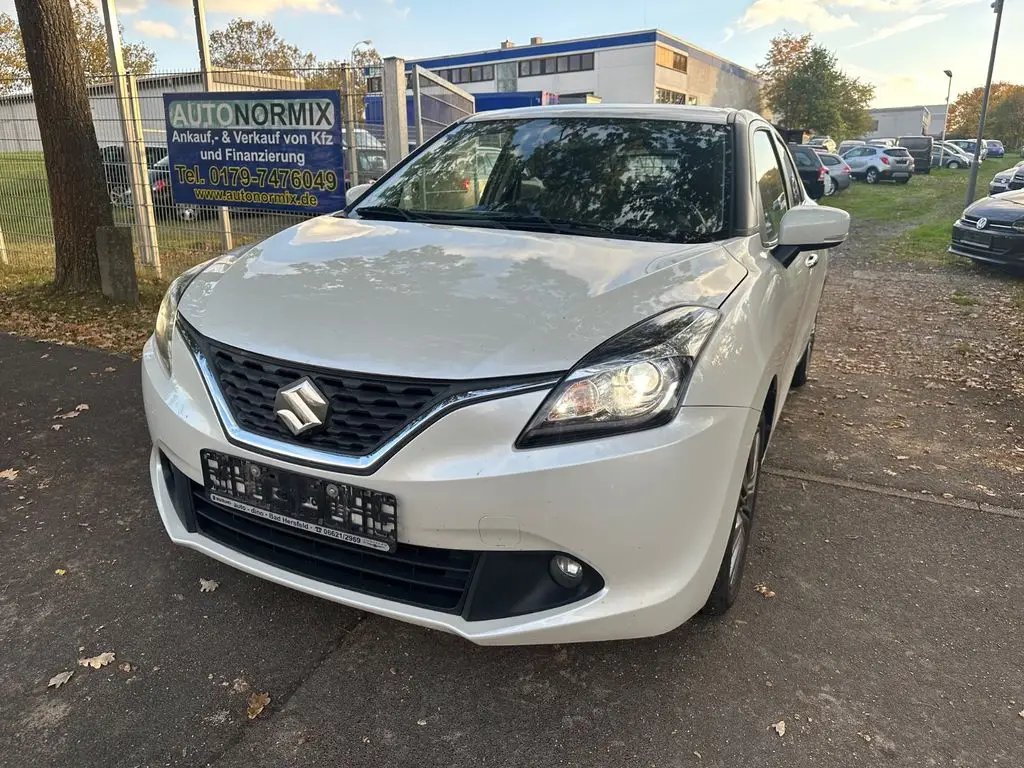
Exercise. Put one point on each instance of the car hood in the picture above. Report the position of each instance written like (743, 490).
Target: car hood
(434, 301)
(1006, 206)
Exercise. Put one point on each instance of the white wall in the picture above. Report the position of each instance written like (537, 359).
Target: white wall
(896, 123)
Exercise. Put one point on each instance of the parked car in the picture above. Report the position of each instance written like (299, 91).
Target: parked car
(875, 163)
(115, 169)
(372, 164)
(1010, 179)
(920, 148)
(992, 231)
(813, 172)
(882, 142)
(164, 206)
(838, 170)
(823, 141)
(846, 146)
(950, 157)
(968, 146)
(995, 148)
(509, 383)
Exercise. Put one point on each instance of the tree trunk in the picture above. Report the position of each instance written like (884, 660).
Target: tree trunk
(74, 169)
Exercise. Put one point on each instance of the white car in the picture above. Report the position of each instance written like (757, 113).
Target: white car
(535, 415)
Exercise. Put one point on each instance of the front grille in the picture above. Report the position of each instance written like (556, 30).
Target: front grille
(427, 577)
(1003, 226)
(364, 411)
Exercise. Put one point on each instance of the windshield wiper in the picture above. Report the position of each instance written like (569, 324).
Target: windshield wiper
(557, 226)
(384, 212)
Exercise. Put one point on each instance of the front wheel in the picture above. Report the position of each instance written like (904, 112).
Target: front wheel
(871, 177)
(730, 573)
(953, 164)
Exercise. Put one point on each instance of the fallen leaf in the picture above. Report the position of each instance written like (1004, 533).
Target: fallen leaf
(239, 685)
(257, 703)
(81, 407)
(60, 571)
(56, 427)
(9, 474)
(109, 369)
(126, 667)
(763, 589)
(902, 458)
(780, 727)
(421, 721)
(208, 585)
(58, 680)
(73, 368)
(698, 755)
(98, 661)
(1021, 713)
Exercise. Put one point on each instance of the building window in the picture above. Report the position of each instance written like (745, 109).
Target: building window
(666, 57)
(665, 96)
(467, 74)
(577, 62)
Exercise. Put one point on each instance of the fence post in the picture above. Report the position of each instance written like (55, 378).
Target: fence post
(3, 250)
(351, 161)
(146, 228)
(199, 11)
(417, 105)
(142, 195)
(396, 125)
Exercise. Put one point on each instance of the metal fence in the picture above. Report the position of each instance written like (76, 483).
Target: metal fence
(168, 237)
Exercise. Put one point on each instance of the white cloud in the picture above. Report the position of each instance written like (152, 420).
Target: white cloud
(158, 30)
(727, 34)
(258, 8)
(912, 22)
(810, 13)
(128, 7)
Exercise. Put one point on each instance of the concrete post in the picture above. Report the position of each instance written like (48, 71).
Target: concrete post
(142, 194)
(417, 104)
(350, 159)
(396, 125)
(3, 250)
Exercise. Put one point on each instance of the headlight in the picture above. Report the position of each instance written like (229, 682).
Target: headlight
(1018, 225)
(168, 313)
(634, 381)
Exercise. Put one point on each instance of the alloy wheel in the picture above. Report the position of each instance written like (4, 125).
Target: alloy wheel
(872, 176)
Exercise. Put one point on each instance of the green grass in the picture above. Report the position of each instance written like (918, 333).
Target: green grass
(921, 212)
(27, 227)
(963, 300)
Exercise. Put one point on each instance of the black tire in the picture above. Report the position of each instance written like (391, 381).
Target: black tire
(730, 572)
(802, 368)
(953, 165)
(871, 176)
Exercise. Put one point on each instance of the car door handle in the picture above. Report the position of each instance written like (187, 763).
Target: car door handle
(812, 260)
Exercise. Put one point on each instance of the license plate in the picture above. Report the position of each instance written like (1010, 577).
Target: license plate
(976, 238)
(337, 511)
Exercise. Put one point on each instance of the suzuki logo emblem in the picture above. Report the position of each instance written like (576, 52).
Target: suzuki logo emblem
(301, 406)
(982, 223)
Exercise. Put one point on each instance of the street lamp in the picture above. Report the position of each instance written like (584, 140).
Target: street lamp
(945, 118)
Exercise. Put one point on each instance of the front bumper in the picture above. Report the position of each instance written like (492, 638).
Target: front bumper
(650, 512)
(1005, 249)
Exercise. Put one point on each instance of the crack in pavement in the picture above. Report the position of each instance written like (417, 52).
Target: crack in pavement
(881, 490)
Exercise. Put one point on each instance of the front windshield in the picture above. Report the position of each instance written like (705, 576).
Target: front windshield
(660, 180)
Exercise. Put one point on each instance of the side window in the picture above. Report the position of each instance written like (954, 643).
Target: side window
(770, 185)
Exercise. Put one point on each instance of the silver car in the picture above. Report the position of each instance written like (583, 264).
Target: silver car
(1011, 178)
(873, 164)
(967, 145)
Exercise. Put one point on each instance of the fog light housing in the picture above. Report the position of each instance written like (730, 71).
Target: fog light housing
(566, 572)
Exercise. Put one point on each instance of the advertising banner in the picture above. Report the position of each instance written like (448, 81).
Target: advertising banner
(271, 150)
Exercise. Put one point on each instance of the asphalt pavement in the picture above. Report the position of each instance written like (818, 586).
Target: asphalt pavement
(893, 638)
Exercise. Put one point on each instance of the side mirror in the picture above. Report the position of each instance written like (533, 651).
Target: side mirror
(353, 194)
(813, 227)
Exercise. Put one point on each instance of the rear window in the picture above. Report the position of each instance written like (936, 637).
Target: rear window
(831, 160)
(897, 152)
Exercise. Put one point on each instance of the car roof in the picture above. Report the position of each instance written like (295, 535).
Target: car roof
(694, 114)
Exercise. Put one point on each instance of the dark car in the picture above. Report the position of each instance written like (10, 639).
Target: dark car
(992, 231)
(1010, 179)
(920, 148)
(811, 169)
(163, 204)
(115, 169)
(838, 169)
(372, 164)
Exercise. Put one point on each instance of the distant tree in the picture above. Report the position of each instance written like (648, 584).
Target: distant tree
(965, 113)
(246, 44)
(78, 191)
(91, 37)
(1006, 118)
(804, 87)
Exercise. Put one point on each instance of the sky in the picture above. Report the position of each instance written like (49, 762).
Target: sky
(901, 46)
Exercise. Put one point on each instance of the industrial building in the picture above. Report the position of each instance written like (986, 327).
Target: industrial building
(893, 122)
(646, 67)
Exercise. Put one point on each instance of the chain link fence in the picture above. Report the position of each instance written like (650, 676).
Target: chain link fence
(131, 133)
